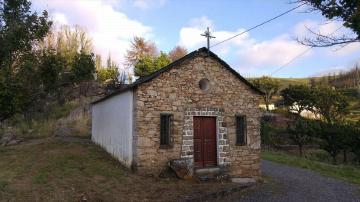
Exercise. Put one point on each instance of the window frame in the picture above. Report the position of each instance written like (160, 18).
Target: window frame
(243, 131)
(168, 139)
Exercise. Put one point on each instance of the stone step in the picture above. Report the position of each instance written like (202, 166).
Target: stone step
(211, 174)
(213, 178)
(207, 171)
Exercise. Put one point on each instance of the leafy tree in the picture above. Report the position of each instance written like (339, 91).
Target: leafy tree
(50, 69)
(20, 32)
(177, 53)
(83, 71)
(301, 132)
(140, 48)
(148, 65)
(19, 29)
(161, 61)
(271, 135)
(27, 73)
(354, 139)
(23, 84)
(144, 66)
(298, 98)
(345, 10)
(84, 67)
(12, 97)
(110, 72)
(332, 136)
(106, 74)
(332, 105)
(269, 86)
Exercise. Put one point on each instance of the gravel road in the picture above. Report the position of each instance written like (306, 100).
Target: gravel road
(285, 183)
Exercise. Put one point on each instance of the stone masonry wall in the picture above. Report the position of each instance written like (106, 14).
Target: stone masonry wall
(177, 92)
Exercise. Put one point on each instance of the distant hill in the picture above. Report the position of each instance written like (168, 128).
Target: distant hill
(285, 82)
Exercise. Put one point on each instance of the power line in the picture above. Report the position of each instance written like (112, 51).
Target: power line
(290, 61)
(256, 26)
(299, 55)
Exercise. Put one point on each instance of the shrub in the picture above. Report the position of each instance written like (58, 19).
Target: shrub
(271, 134)
(301, 132)
(354, 139)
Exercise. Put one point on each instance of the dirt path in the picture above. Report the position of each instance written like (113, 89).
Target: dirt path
(286, 183)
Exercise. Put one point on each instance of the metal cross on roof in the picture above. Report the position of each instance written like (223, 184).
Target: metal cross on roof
(207, 34)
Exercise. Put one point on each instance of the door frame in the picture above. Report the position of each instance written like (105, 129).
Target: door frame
(223, 146)
(216, 139)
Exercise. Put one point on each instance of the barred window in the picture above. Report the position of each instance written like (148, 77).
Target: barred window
(241, 130)
(165, 125)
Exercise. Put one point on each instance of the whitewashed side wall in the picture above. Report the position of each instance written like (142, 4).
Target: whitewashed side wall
(112, 121)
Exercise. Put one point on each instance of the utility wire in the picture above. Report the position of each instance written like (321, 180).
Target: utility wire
(290, 61)
(256, 26)
(299, 55)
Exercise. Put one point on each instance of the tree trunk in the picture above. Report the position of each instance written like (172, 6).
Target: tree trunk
(334, 159)
(267, 102)
(345, 156)
(28, 119)
(300, 150)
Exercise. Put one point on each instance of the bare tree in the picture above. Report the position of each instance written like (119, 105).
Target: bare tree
(68, 41)
(177, 52)
(346, 11)
(319, 39)
(139, 47)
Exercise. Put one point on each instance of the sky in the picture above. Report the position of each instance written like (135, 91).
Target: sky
(113, 23)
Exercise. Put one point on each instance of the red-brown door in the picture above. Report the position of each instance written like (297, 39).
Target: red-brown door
(204, 141)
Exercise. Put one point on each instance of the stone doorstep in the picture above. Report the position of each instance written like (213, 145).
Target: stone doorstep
(215, 174)
(206, 171)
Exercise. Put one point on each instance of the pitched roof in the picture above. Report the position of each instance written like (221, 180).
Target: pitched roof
(175, 63)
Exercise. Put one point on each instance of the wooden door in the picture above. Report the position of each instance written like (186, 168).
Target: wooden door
(204, 141)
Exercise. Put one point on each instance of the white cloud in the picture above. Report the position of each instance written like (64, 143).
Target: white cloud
(249, 52)
(60, 18)
(274, 52)
(202, 23)
(190, 36)
(110, 29)
(348, 49)
(147, 4)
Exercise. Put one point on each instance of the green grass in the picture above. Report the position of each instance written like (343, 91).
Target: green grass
(55, 170)
(285, 82)
(349, 173)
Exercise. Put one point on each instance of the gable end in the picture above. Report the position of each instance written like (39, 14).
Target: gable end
(176, 63)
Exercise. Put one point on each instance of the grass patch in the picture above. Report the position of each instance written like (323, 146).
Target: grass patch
(41, 177)
(3, 185)
(349, 173)
(55, 170)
